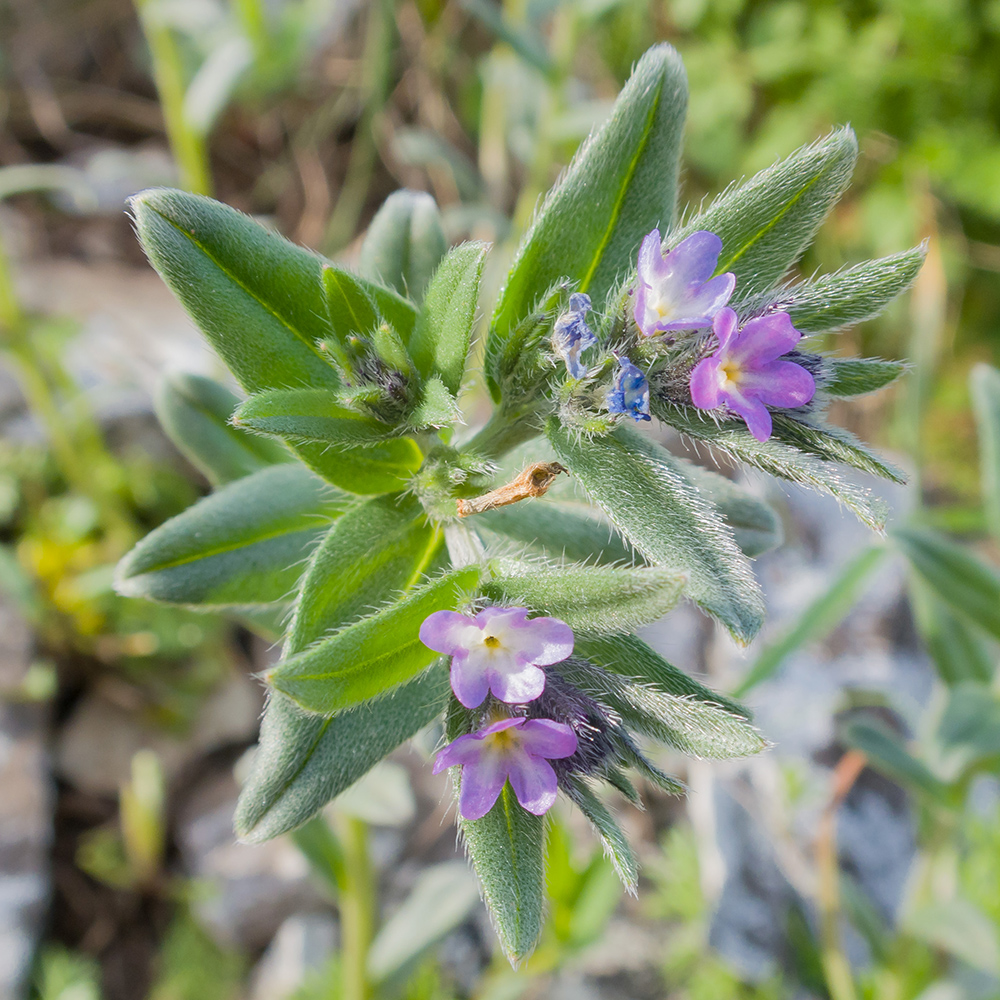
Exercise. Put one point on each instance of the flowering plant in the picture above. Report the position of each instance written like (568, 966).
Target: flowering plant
(408, 574)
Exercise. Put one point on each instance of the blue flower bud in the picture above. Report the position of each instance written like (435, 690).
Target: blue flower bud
(571, 336)
(630, 393)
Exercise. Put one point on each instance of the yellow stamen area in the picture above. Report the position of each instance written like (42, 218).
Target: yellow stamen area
(503, 739)
(729, 371)
(663, 308)
(491, 641)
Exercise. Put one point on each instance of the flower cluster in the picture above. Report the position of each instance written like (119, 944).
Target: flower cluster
(501, 652)
(746, 373)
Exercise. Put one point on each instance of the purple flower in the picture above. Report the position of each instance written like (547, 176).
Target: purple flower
(747, 374)
(571, 336)
(678, 292)
(518, 749)
(630, 393)
(500, 650)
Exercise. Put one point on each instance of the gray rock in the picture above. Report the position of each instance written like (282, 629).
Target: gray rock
(300, 949)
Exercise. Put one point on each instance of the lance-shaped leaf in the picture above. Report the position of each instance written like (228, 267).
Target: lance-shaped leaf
(630, 657)
(374, 553)
(847, 377)
(564, 530)
(356, 306)
(985, 385)
(887, 753)
(194, 412)
(588, 598)
(766, 223)
(404, 243)
(852, 295)
(303, 761)
(692, 725)
(507, 851)
(754, 524)
(367, 471)
(616, 845)
(441, 337)
(647, 494)
(373, 655)
(621, 184)
(971, 720)
(967, 584)
(245, 545)
(774, 457)
(309, 415)
(437, 407)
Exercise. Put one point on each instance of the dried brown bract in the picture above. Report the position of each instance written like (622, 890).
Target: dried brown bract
(534, 481)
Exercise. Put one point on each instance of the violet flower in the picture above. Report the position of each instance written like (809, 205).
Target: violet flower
(500, 650)
(630, 392)
(515, 749)
(677, 291)
(571, 336)
(746, 373)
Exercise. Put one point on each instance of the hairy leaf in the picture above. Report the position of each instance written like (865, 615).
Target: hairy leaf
(440, 342)
(194, 412)
(616, 845)
(767, 222)
(646, 493)
(368, 471)
(588, 598)
(356, 306)
(245, 545)
(847, 377)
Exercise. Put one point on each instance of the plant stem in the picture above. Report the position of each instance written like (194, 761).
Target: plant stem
(357, 916)
(187, 145)
(253, 20)
(504, 430)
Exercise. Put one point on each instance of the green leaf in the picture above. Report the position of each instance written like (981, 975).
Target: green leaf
(692, 725)
(303, 761)
(846, 377)
(961, 580)
(309, 415)
(646, 493)
(356, 306)
(245, 545)
(852, 295)
(630, 657)
(616, 845)
(564, 530)
(256, 296)
(368, 471)
(621, 184)
(440, 341)
(367, 658)
(886, 753)
(588, 598)
(507, 851)
(774, 457)
(984, 382)
(437, 406)
(404, 243)
(194, 412)
(754, 524)
(818, 619)
(767, 222)
(960, 929)
(971, 720)
(374, 553)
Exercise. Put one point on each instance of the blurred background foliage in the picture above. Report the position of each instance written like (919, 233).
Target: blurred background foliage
(308, 113)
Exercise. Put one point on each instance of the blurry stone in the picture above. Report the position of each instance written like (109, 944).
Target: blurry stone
(112, 174)
(25, 812)
(248, 890)
(625, 946)
(95, 747)
(303, 945)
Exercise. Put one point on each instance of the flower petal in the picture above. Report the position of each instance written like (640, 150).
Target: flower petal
(548, 738)
(649, 264)
(754, 412)
(710, 297)
(764, 339)
(515, 687)
(539, 640)
(494, 618)
(781, 383)
(706, 384)
(534, 783)
(449, 632)
(481, 782)
(463, 750)
(694, 259)
(469, 679)
(724, 328)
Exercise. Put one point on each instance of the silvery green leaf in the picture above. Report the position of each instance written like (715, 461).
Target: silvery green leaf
(599, 599)
(985, 385)
(440, 342)
(404, 243)
(562, 530)
(960, 929)
(774, 457)
(971, 720)
(507, 851)
(846, 377)
(303, 761)
(621, 184)
(616, 845)
(852, 295)
(648, 496)
(355, 307)
(767, 222)
(384, 467)
(194, 412)
(437, 407)
(245, 545)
